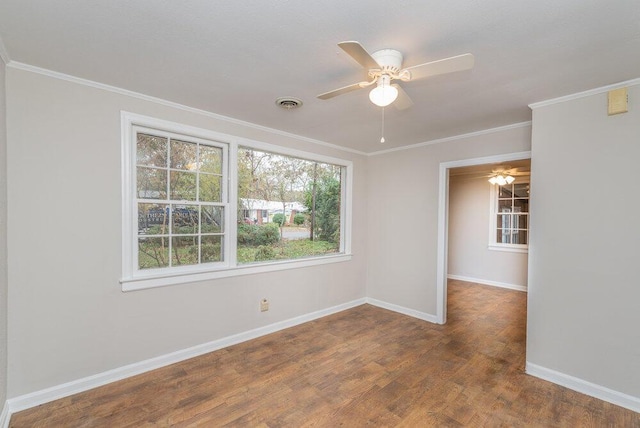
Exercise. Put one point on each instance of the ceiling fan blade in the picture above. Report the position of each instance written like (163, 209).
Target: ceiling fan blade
(403, 101)
(340, 91)
(447, 65)
(360, 54)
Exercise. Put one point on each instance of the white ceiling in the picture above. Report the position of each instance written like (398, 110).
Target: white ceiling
(235, 58)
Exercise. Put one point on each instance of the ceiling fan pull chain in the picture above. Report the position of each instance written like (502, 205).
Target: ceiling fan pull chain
(382, 132)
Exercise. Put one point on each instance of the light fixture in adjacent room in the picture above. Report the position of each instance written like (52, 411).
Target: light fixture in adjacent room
(383, 94)
(501, 179)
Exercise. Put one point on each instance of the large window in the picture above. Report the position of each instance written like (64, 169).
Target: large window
(510, 216)
(196, 205)
(180, 199)
(289, 207)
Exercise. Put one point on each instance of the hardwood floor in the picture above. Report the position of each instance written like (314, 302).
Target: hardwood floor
(363, 366)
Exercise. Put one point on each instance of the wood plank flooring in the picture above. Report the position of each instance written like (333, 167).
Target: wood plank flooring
(363, 366)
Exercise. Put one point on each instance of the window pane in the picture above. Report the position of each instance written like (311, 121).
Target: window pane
(504, 206)
(211, 249)
(210, 188)
(184, 250)
(183, 186)
(212, 219)
(151, 151)
(288, 208)
(520, 237)
(153, 253)
(511, 221)
(183, 155)
(178, 195)
(210, 159)
(503, 237)
(503, 221)
(521, 205)
(151, 183)
(520, 221)
(185, 219)
(521, 190)
(505, 191)
(153, 219)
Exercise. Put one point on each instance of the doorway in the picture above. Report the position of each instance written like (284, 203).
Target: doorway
(443, 218)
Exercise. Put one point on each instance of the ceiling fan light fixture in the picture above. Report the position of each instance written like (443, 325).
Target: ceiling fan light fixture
(383, 94)
(501, 178)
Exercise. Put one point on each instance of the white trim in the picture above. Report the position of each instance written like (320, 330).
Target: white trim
(134, 284)
(454, 137)
(516, 287)
(5, 416)
(583, 94)
(114, 89)
(443, 244)
(4, 55)
(443, 201)
(402, 310)
(507, 248)
(64, 390)
(600, 392)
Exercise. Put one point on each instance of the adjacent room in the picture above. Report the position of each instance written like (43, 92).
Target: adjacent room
(319, 214)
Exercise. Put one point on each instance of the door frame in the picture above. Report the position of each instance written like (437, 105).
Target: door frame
(443, 221)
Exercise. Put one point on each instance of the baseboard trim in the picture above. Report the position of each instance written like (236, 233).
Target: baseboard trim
(401, 309)
(36, 398)
(5, 417)
(488, 282)
(600, 392)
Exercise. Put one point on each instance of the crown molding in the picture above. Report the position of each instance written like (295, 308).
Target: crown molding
(454, 137)
(126, 92)
(583, 94)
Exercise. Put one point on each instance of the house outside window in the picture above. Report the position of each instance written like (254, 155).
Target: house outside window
(509, 219)
(292, 207)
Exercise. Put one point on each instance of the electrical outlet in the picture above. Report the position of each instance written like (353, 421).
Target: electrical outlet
(264, 305)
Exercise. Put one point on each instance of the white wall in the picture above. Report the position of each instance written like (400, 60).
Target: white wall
(469, 255)
(403, 214)
(3, 241)
(584, 286)
(68, 317)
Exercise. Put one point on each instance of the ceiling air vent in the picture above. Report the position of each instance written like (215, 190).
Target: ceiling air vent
(288, 103)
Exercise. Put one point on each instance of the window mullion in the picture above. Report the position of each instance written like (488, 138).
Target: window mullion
(231, 213)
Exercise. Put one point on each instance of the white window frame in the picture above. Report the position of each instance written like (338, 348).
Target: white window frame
(134, 279)
(493, 212)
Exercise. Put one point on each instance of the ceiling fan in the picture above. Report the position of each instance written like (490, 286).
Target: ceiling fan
(505, 175)
(385, 66)
(508, 170)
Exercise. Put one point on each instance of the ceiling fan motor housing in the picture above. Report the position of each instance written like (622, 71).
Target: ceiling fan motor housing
(388, 59)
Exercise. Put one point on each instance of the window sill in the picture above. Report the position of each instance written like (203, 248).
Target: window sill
(509, 249)
(141, 283)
